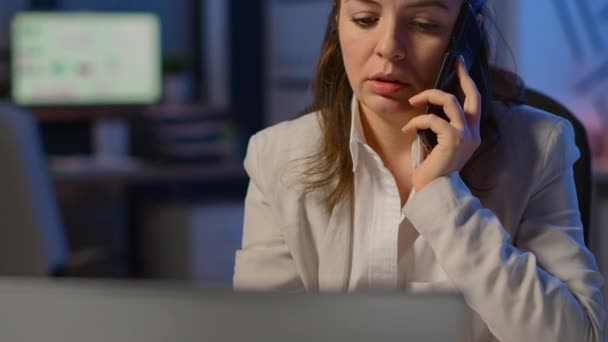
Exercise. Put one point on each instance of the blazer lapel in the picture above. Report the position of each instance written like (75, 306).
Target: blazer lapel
(335, 252)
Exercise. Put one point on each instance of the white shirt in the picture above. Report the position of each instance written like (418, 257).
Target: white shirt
(382, 233)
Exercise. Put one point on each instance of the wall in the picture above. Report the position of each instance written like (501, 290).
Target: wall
(7, 9)
(294, 33)
(562, 49)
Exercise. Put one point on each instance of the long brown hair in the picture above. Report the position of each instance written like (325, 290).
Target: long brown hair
(332, 165)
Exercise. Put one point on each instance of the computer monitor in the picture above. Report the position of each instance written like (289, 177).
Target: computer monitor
(85, 58)
(60, 311)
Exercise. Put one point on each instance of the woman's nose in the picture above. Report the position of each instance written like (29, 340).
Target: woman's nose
(391, 43)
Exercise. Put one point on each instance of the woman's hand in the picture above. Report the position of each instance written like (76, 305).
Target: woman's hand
(457, 139)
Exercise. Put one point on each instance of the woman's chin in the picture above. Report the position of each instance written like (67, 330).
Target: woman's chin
(388, 106)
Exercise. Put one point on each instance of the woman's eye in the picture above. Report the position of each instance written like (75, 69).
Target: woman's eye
(424, 26)
(365, 21)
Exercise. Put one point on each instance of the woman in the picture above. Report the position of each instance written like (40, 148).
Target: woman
(345, 199)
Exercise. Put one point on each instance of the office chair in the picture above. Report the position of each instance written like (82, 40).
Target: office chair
(32, 240)
(582, 167)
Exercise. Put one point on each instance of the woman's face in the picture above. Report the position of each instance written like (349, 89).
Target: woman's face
(393, 49)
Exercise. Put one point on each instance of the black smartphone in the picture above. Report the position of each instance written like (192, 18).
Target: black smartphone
(465, 41)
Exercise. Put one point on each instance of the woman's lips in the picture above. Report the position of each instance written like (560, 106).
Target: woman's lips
(386, 88)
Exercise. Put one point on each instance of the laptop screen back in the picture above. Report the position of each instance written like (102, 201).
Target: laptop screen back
(121, 311)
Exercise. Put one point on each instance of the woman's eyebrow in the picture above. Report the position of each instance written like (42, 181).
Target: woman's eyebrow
(368, 2)
(412, 4)
(428, 3)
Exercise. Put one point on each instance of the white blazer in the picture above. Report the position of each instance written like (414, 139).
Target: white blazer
(513, 247)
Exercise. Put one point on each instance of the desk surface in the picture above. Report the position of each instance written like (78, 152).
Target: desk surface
(137, 172)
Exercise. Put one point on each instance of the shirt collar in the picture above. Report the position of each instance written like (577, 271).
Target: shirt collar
(357, 138)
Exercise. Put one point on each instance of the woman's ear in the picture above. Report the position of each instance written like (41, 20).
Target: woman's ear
(479, 18)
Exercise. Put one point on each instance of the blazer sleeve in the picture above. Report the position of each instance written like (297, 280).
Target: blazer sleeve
(547, 286)
(264, 262)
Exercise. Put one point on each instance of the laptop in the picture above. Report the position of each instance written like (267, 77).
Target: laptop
(54, 310)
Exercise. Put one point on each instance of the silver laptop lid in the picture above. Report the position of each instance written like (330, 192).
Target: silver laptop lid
(65, 311)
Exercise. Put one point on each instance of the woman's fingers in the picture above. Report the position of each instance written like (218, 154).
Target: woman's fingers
(428, 121)
(449, 103)
(460, 116)
(457, 139)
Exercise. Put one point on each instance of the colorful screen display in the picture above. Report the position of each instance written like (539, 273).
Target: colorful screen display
(85, 58)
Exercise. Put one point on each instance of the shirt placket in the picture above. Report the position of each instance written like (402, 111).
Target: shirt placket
(383, 263)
